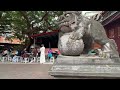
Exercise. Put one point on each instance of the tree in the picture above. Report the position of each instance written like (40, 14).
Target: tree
(23, 24)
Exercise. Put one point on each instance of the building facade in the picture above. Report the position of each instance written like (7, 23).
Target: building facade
(111, 23)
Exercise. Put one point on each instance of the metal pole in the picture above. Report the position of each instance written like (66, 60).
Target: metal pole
(34, 42)
(49, 45)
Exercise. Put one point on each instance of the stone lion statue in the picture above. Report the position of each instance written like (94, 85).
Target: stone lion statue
(78, 33)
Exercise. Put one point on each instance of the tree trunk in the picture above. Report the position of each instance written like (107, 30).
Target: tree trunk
(28, 43)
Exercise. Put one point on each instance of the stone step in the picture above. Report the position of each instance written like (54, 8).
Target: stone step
(86, 70)
(86, 60)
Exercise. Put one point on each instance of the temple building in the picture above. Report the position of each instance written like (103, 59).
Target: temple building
(111, 22)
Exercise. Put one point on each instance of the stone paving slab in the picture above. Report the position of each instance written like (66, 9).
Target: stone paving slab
(24, 71)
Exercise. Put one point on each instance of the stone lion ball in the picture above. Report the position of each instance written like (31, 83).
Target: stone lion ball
(70, 47)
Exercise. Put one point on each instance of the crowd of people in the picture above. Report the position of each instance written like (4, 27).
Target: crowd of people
(33, 53)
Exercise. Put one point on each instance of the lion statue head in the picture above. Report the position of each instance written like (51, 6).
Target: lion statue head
(69, 20)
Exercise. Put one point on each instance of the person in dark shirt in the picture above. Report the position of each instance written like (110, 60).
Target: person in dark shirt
(19, 53)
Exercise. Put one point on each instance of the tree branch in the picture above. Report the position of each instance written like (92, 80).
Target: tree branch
(44, 16)
(35, 29)
(24, 14)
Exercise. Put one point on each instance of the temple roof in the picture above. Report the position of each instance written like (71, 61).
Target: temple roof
(110, 16)
(5, 41)
(47, 34)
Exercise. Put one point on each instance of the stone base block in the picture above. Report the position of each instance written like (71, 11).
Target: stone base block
(68, 66)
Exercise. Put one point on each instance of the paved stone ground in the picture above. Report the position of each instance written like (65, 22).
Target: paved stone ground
(29, 71)
(24, 71)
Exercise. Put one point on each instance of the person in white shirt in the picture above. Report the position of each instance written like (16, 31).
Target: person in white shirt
(42, 54)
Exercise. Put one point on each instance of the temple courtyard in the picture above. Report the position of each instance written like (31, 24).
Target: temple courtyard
(24, 71)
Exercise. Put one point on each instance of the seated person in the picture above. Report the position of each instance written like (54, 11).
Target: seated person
(35, 54)
(15, 57)
(24, 53)
(5, 52)
(19, 53)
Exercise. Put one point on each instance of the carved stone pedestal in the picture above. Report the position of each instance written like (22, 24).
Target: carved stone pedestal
(85, 66)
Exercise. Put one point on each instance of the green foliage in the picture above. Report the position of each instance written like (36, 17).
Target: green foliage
(26, 23)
